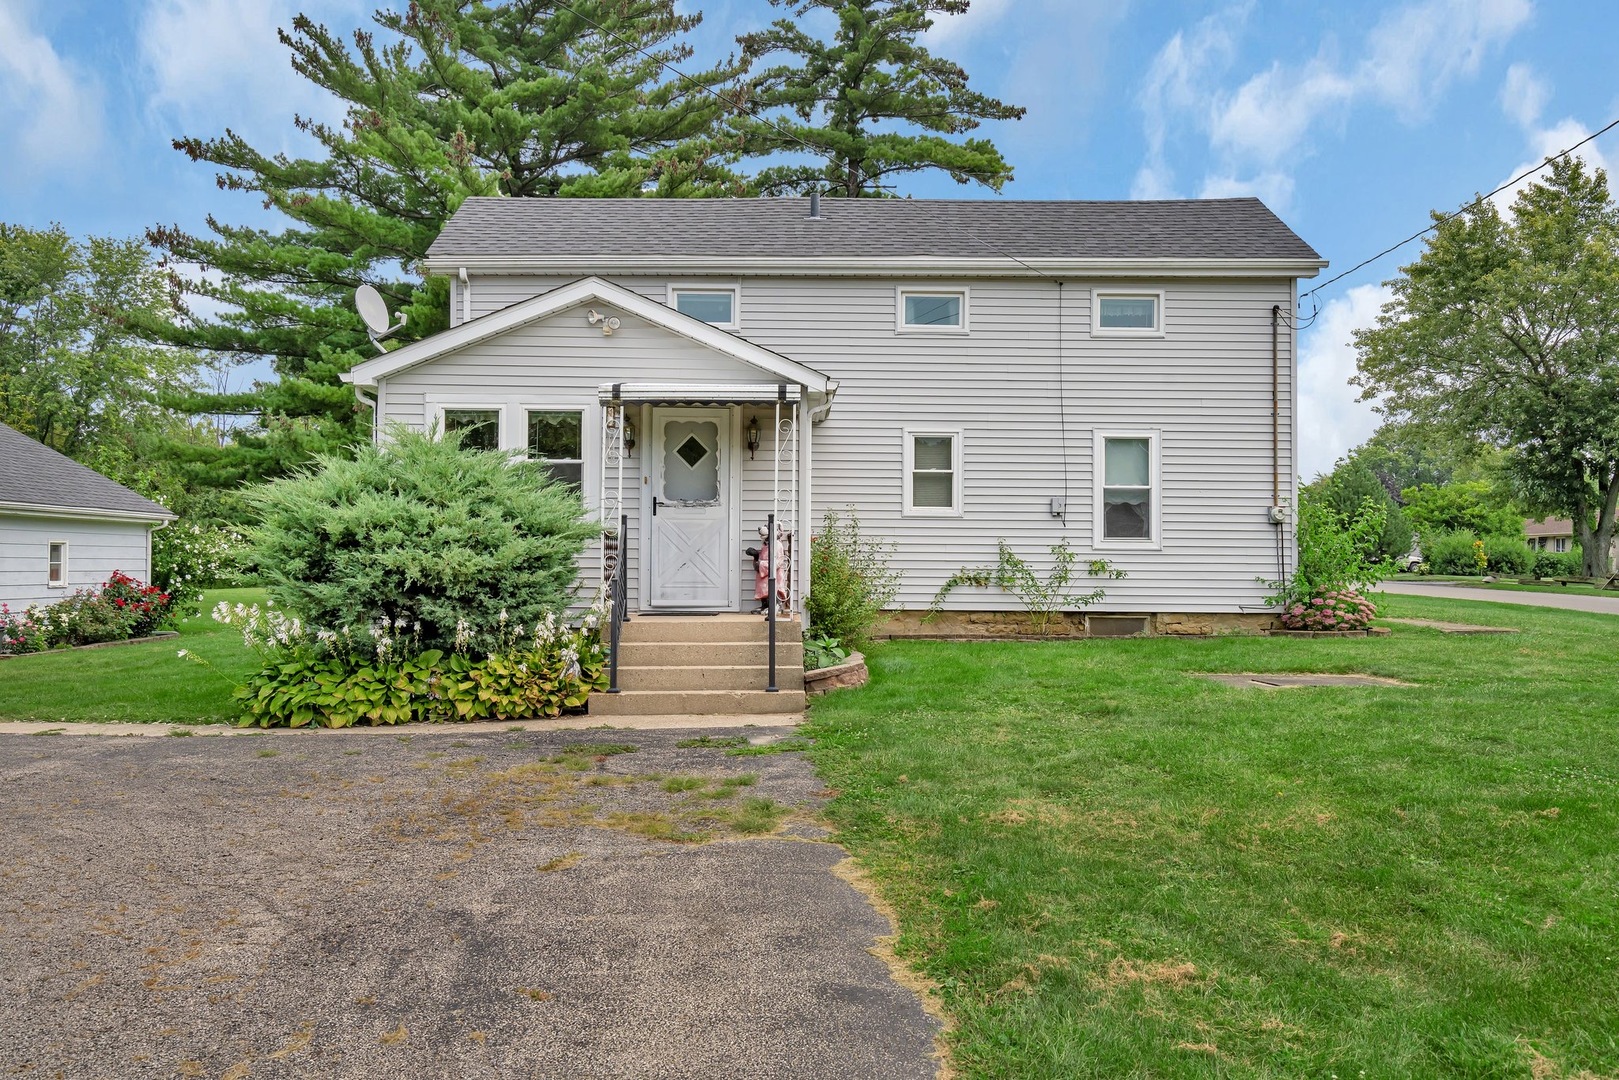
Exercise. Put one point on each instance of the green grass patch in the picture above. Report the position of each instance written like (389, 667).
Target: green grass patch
(136, 684)
(677, 784)
(714, 741)
(790, 745)
(1508, 585)
(1113, 869)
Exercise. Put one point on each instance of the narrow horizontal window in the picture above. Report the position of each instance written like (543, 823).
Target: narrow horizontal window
(556, 438)
(933, 311)
(56, 563)
(714, 306)
(1127, 313)
(479, 428)
(932, 472)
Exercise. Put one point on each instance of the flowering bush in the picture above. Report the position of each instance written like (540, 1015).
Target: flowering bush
(121, 608)
(20, 631)
(1330, 609)
(189, 558)
(381, 674)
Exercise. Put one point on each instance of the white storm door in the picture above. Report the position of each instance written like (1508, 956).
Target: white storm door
(691, 540)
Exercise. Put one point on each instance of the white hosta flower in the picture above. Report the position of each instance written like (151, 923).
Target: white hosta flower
(183, 653)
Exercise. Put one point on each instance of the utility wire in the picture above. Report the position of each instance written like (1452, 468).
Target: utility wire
(1418, 235)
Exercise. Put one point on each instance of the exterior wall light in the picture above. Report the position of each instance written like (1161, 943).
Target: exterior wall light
(629, 434)
(753, 436)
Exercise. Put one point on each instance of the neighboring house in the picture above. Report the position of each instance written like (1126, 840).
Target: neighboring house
(1554, 534)
(65, 527)
(1119, 375)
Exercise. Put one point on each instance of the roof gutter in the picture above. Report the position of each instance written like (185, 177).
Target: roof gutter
(86, 513)
(922, 266)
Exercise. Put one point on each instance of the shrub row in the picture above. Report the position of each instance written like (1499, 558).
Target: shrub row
(1460, 552)
(119, 609)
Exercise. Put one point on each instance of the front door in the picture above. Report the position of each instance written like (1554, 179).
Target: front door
(692, 557)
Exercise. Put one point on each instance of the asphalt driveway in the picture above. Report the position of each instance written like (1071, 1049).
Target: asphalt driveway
(1607, 605)
(497, 904)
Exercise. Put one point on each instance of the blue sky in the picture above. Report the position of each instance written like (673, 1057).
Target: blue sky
(1351, 120)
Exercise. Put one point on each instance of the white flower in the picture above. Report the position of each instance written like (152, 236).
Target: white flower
(183, 653)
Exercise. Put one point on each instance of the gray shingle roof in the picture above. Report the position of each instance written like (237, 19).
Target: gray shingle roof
(33, 474)
(1224, 229)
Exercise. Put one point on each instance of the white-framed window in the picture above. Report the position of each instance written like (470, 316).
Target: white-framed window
(932, 472)
(1561, 544)
(1128, 494)
(930, 311)
(56, 564)
(716, 304)
(1127, 313)
(481, 426)
(556, 438)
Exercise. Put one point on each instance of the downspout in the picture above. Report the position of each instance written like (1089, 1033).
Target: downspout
(466, 296)
(149, 567)
(371, 402)
(819, 412)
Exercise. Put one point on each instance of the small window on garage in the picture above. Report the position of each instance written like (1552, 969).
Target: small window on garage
(56, 564)
(479, 428)
(556, 437)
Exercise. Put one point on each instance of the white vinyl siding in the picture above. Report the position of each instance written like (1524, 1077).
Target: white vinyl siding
(94, 549)
(1027, 413)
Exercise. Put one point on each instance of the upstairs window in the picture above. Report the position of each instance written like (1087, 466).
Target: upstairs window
(715, 305)
(1127, 489)
(1127, 314)
(933, 473)
(56, 564)
(556, 438)
(479, 428)
(925, 310)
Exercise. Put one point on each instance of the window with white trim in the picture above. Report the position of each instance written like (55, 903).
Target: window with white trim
(933, 472)
(556, 439)
(933, 311)
(56, 564)
(479, 428)
(715, 305)
(1127, 489)
(1127, 314)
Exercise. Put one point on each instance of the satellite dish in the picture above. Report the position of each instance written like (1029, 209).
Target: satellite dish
(373, 310)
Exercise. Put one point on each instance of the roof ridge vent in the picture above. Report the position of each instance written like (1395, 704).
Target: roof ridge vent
(815, 206)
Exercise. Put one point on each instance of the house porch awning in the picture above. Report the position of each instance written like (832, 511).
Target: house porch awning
(698, 393)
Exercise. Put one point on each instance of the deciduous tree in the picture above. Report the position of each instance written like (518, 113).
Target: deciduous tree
(1506, 331)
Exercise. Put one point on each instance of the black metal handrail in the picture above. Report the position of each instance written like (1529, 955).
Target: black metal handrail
(618, 592)
(770, 604)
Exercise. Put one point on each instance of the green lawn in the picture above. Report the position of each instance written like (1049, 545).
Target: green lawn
(1112, 869)
(1510, 585)
(135, 683)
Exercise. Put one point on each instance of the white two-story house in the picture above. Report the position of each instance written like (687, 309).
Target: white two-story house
(1119, 375)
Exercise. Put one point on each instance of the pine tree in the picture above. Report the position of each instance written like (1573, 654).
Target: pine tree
(444, 100)
(841, 99)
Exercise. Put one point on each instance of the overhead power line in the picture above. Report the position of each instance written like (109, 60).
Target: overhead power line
(1423, 232)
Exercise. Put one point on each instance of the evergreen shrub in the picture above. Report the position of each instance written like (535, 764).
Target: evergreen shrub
(422, 534)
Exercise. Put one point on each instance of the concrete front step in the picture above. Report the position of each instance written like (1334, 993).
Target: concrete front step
(695, 702)
(709, 677)
(635, 654)
(691, 629)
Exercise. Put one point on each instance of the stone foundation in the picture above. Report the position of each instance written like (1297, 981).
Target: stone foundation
(958, 625)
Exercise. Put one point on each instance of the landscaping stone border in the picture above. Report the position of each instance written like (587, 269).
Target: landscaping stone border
(852, 672)
(161, 635)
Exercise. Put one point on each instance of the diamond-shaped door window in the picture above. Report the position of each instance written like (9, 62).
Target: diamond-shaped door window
(692, 451)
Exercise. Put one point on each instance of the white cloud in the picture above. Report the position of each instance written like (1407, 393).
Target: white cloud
(1410, 56)
(1524, 97)
(948, 28)
(53, 114)
(1274, 189)
(220, 61)
(1331, 420)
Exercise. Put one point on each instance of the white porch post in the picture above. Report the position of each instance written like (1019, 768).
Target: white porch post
(806, 510)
